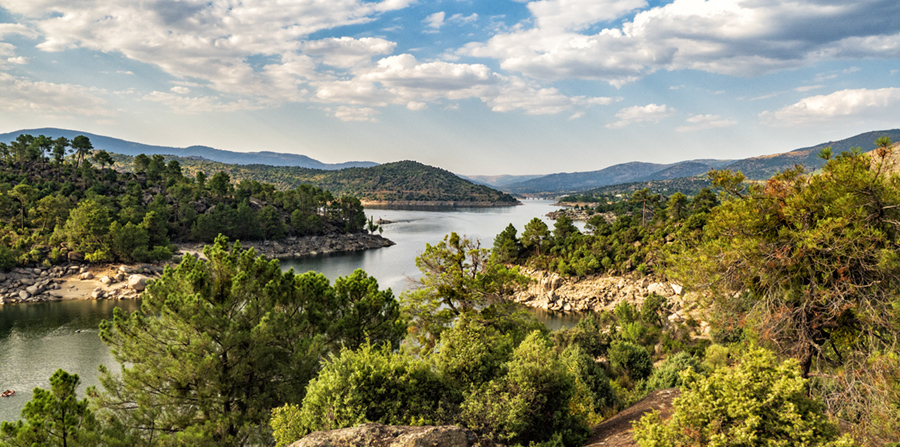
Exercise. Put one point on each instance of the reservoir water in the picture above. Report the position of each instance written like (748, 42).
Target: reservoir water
(38, 339)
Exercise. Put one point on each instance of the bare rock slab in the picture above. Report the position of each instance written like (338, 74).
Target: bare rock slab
(378, 435)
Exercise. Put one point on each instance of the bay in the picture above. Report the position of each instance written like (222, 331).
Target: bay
(37, 339)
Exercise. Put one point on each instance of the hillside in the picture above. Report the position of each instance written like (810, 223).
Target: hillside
(755, 168)
(761, 168)
(614, 175)
(391, 183)
(124, 147)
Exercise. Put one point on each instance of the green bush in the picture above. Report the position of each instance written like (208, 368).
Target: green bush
(530, 402)
(758, 402)
(587, 334)
(668, 375)
(371, 384)
(471, 353)
(630, 360)
(593, 388)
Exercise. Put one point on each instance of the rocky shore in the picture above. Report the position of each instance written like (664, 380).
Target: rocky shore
(35, 285)
(550, 291)
(298, 247)
(77, 280)
(436, 203)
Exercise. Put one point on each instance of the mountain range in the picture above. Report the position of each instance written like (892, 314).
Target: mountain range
(124, 147)
(754, 168)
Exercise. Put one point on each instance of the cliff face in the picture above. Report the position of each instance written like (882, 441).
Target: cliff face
(552, 292)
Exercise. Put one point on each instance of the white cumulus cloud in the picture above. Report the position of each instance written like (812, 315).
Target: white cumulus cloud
(840, 105)
(703, 122)
(638, 114)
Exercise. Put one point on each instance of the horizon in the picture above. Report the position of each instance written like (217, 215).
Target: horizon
(480, 89)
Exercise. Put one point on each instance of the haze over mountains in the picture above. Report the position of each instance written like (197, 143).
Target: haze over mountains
(124, 147)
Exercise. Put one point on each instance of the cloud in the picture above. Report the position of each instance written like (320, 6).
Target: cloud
(364, 114)
(840, 105)
(704, 122)
(45, 99)
(638, 114)
(435, 21)
(216, 43)
(200, 104)
(404, 80)
(347, 52)
(733, 37)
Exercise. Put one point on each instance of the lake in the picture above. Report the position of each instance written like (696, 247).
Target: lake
(37, 339)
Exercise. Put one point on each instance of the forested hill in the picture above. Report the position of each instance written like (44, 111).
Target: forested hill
(403, 181)
(131, 148)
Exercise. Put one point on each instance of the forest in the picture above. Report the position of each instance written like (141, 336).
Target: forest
(61, 200)
(390, 182)
(798, 276)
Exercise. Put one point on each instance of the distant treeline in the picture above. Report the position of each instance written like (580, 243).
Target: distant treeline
(399, 181)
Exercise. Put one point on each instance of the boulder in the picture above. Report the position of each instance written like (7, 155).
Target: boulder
(86, 275)
(137, 282)
(378, 435)
(75, 256)
(33, 290)
(106, 280)
(23, 295)
(97, 293)
(661, 289)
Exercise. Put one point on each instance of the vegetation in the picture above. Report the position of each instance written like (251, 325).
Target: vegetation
(53, 210)
(217, 345)
(816, 258)
(757, 402)
(627, 236)
(390, 182)
(54, 418)
(233, 351)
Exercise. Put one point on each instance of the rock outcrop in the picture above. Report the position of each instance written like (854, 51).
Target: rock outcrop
(378, 435)
(550, 291)
(34, 285)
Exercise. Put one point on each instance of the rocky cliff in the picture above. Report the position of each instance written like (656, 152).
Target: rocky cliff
(550, 291)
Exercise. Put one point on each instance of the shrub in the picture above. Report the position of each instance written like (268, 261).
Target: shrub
(758, 402)
(668, 375)
(630, 359)
(530, 402)
(370, 384)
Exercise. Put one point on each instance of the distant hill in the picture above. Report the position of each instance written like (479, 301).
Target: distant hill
(761, 168)
(755, 168)
(614, 175)
(118, 146)
(402, 182)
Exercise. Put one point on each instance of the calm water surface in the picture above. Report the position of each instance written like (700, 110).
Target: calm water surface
(38, 339)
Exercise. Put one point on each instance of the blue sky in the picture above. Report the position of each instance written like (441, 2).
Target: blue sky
(476, 87)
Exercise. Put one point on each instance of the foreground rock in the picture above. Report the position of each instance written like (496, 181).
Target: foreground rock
(617, 432)
(378, 435)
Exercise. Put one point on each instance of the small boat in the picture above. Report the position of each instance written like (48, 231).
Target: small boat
(7, 393)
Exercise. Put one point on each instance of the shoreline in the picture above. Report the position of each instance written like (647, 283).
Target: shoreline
(436, 203)
(120, 281)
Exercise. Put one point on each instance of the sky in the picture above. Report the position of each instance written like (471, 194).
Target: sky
(478, 87)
